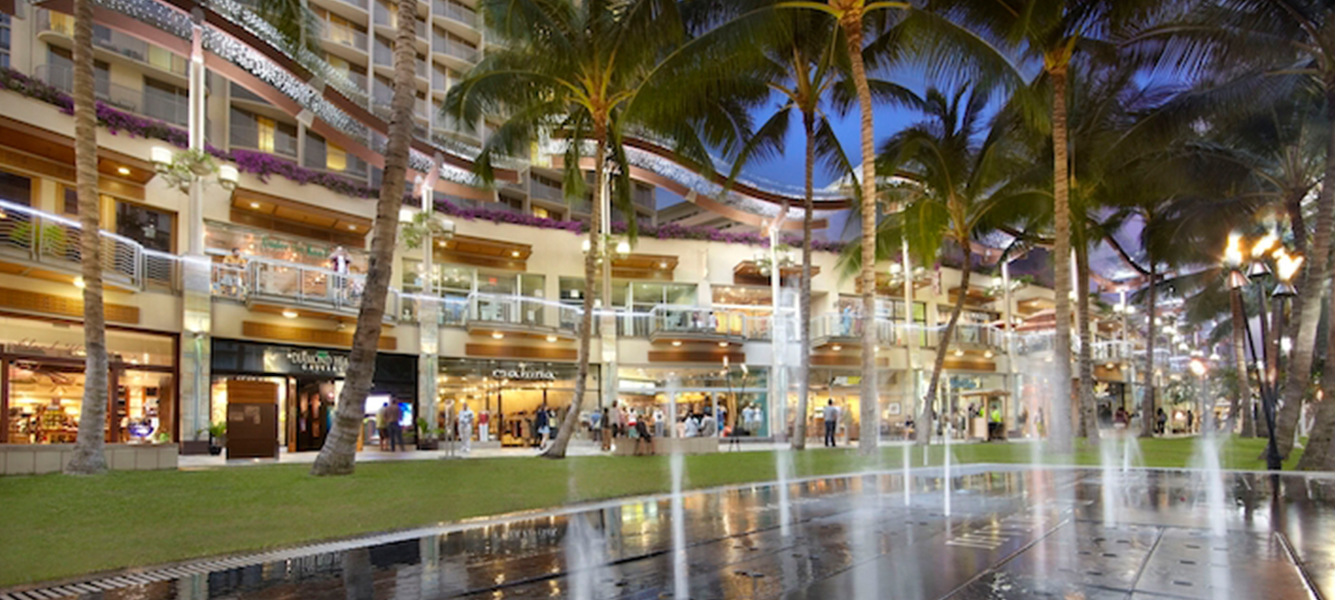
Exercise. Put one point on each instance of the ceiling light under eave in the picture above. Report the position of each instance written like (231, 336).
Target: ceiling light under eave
(496, 335)
(958, 353)
(551, 338)
(123, 170)
(289, 313)
(78, 282)
(676, 343)
(836, 347)
(723, 344)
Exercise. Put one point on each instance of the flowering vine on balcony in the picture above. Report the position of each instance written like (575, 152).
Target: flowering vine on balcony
(263, 165)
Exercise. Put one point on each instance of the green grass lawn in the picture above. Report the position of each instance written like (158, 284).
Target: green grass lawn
(58, 526)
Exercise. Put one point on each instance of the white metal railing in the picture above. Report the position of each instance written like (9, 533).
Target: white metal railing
(53, 240)
(522, 311)
(294, 283)
(61, 76)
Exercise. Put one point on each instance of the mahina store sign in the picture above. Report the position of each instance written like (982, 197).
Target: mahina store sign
(523, 375)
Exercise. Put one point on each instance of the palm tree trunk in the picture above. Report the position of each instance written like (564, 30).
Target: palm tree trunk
(869, 430)
(1148, 415)
(804, 298)
(1308, 313)
(942, 347)
(88, 458)
(338, 455)
(1088, 411)
(1243, 403)
(1317, 456)
(592, 275)
(1059, 428)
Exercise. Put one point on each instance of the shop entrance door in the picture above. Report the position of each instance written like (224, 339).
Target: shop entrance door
(252, 419)
(312, 410)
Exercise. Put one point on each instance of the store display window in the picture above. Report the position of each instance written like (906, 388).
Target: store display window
(43, 384)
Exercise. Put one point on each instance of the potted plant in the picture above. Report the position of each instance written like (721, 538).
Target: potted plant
(428, 437)
(217, 437)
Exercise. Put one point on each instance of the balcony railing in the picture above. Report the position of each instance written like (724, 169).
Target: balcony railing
(344, 35)
(37, 237)
(281, 282)
(522, 312)
(455, 11)
(116, 42)
(723, 324)
(165, 106)
(830, 327)
(249, 137)
(61, 76)
(452, 47)
(971, 335)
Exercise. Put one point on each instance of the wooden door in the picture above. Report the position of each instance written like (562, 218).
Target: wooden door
(252, 419)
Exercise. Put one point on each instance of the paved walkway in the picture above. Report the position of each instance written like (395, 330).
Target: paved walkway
(576, 448)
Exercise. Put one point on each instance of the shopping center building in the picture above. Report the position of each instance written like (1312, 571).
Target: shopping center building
(492, 324)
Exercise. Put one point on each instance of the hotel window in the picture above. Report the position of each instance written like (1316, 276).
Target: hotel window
(250, 130)
(148, 226)
(4, 40)
(15, 189)
(336, 159)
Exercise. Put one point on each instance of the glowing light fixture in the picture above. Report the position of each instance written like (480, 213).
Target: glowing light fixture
(123, 170)
(551, 338)
(78, 282)
(676, 342)
(836, 347)
(289, 313)
(496, 335)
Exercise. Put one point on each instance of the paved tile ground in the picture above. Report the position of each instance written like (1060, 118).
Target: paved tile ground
(1010, 533)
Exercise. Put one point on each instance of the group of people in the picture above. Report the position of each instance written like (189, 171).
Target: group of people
(388, 426)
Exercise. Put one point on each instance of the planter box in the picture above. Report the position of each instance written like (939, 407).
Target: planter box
(38, 459)
(664, 446)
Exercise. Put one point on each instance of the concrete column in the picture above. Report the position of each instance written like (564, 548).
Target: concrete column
(196, 276)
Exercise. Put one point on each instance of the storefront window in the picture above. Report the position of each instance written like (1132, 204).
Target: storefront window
(298, 388)
(510, 393)
(221, 238)
(737, 397)
(148, 226)
(44, 364)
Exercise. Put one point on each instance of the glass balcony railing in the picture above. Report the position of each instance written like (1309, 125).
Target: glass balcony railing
(60, 75)
(849, 327)
(166, 106)
(296, 284)
(455, 12)
(450, 46)
(667, 321)
(115, 41)
(522, 312)
(276, 142)
(344, 35)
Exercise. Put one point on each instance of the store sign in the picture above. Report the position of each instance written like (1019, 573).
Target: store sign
(523, 375)
(297, 360)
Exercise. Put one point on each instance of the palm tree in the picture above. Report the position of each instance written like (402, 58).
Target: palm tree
(88, 458)
(809, 72)
(1052, 34)
(1260, 49)
(338, 455)
(956, 190)
(1318, 454)
(855, 19)
(594, 72)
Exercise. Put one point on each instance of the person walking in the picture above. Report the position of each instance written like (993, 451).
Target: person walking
(382, 425)
(1161, 420)
(605, 434)
(542, 426)
(831, 422)
(393, 414)
(466, 428)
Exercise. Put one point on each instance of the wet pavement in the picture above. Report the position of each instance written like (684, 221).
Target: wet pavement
(1011, 533)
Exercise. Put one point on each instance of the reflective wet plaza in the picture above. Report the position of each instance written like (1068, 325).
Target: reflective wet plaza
(1010, 533)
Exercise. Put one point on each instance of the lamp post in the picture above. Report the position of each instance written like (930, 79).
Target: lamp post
(1267, 358)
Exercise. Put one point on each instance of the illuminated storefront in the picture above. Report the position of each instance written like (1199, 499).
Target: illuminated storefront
(42, 364)
(509, 393)
(733, 393)
(301, 386)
